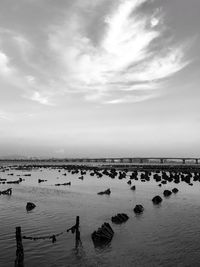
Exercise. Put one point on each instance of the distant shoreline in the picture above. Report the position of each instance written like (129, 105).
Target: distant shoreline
(192, 167)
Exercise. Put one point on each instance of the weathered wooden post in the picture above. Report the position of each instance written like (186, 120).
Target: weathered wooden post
(19, 261)
(77, 232)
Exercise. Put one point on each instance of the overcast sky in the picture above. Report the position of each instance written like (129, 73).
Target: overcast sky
(100, 78)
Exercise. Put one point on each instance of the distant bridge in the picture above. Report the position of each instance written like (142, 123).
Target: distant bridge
(138, 160)
(141, 160)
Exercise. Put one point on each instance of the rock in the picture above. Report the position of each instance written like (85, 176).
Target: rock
(103, 235)
(138, 209)
(41, 180)
(120, 218)
(133, 187)
(13, 182)
(157, 177)
(6, 192)
(69, 183)
(129, 182)
(106, 192)
(167, 193)
(175, 190)
(30, 206)
(157, 200)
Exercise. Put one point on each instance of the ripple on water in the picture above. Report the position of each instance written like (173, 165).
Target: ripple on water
(164, 235)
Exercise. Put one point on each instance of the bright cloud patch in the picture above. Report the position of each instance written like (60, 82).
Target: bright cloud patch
(123, 56)
(5, 69)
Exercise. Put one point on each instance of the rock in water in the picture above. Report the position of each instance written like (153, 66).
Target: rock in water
(103, 235)
(106, 192)
(157, 200)
(30, 206)
(120, 218)
(138, 209)
(175, 190)
(167, 193)
(6, 192)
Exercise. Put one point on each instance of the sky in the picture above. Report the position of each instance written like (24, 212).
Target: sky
(100, 78)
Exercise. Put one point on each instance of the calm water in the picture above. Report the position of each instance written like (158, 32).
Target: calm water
(165, 235)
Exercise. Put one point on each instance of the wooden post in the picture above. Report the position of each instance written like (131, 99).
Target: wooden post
(77, 233)
(19, 261)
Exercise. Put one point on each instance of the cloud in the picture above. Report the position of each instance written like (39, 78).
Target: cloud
(36, 96)
(5, 68)
(5, 116)
(123, 55)
(18, 73)
(111, 70)
(131, 99)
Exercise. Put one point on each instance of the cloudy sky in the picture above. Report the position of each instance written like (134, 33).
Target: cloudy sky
(99, 78)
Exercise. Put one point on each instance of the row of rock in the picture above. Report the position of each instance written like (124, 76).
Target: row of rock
(166, 193)
(105, 233)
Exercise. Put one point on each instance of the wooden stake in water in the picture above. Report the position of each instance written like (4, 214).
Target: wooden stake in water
(77, 233)
(19, 261)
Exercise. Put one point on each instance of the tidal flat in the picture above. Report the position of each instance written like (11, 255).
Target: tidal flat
(166, 234)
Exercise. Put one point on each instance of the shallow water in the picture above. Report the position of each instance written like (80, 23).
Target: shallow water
(164, 235)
